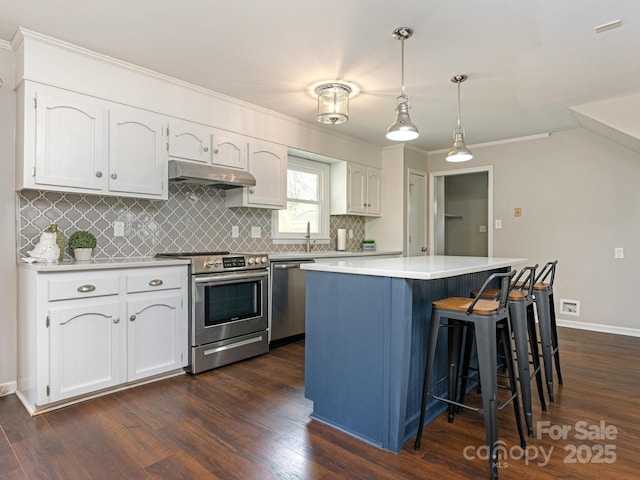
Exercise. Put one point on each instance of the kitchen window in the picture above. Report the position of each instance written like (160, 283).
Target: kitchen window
(307, 202)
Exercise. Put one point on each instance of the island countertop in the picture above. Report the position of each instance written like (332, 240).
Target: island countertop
(418, 268)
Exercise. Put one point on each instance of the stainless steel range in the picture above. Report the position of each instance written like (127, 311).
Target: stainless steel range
(228, 313)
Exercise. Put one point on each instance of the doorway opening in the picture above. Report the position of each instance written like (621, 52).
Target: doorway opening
(461, 213)
(416, 213)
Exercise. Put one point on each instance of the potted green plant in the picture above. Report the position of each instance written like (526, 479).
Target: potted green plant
(82, 243)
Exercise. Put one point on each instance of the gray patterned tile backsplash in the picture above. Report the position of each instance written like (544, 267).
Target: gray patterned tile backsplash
(192, 219)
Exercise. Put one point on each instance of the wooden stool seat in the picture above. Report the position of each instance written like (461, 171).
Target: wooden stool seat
(495, 292)
(461, 304)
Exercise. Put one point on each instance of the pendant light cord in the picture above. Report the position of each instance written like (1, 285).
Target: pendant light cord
(402, 65)
(459, 82)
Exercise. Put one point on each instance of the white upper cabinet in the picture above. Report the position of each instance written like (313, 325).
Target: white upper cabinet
(70, 142)
(203, 144)
(267, 162)
(229, 149)
(137, 152)
(190, 141)
(355, 189)
(70, 147)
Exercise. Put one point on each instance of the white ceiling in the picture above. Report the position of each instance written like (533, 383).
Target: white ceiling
(528, 61)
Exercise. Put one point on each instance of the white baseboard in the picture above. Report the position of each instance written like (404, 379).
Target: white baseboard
(8, 388)
(597, 327)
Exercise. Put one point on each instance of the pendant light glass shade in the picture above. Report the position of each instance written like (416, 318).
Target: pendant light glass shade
(333, 103)
(459, 152)
(402, 129)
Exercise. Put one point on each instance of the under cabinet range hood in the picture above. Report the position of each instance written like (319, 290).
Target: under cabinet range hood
(209, 175)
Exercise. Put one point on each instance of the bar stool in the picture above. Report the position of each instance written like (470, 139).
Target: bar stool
(523, 325)
(485, 316)
(543, 295)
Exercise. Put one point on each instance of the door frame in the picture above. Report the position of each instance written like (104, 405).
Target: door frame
(425, 199)
(432, 203)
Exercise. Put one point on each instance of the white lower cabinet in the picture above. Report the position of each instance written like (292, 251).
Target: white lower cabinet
(84, 332)
(85, 347)
(154, 335)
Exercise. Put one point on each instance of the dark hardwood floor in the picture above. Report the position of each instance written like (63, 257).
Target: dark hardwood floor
(250, 420)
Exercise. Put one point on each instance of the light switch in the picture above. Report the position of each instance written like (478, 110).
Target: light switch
(498, 224)
(618, 252)
(482, 229)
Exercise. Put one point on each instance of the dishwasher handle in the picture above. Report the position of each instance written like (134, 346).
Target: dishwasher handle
(286, 266)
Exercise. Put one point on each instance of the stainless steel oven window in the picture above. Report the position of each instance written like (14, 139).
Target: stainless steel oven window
(227, 303)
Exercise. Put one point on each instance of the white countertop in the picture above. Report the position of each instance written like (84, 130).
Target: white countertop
(420, 268)
(283, 256)
(103, 264)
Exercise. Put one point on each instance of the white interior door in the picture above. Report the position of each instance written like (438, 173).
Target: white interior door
(417, 213)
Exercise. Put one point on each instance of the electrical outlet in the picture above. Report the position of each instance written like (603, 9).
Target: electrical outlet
(256, 232)
(118, 229)
(498, 224)
(618, 252)
(350, 233)
(235, 232)
(517, 212)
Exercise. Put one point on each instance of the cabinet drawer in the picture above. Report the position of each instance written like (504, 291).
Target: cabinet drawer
(81, 287)
(155, 279)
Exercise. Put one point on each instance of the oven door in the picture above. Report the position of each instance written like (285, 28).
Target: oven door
(227, 305)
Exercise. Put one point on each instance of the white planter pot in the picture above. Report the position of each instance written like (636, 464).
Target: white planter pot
(82, 254)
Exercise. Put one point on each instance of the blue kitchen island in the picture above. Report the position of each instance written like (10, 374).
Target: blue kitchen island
(366, 328)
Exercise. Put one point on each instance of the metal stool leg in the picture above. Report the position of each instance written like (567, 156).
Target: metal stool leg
(535, 355)
(454, 343)
(518, 315)
(544, 324)
(554, 338)
(431, 354)
(506, 339)
(487, 353)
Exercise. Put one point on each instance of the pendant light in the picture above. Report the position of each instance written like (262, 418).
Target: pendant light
(333, 103)
(402, 129)
(459, 152)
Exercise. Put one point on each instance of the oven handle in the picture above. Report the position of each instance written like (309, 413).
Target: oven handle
(225, 277)
(233, 345)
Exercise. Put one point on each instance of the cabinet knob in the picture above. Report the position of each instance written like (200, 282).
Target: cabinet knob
(116, 320)
(86, 288)
(132, 318)
(251, 191)
(206, 149)
(155, 283)
(114, 175)
(215, 150)
(99, 174)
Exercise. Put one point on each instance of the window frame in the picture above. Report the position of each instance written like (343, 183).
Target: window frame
(323, 170)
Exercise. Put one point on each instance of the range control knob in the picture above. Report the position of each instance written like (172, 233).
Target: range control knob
(252, 260)
(265, 259)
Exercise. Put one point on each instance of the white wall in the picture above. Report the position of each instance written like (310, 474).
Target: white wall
(580, 199)
(7, 221)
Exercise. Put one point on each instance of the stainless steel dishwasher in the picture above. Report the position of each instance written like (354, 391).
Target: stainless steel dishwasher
(287, 300)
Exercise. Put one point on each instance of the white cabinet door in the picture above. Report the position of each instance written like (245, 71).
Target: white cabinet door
(70, 140)
(156, 335)
(267, 162)
(357, 189)
(190, 141)
(85, 347)
(374, 191)
(229, 149)
(137, 152)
